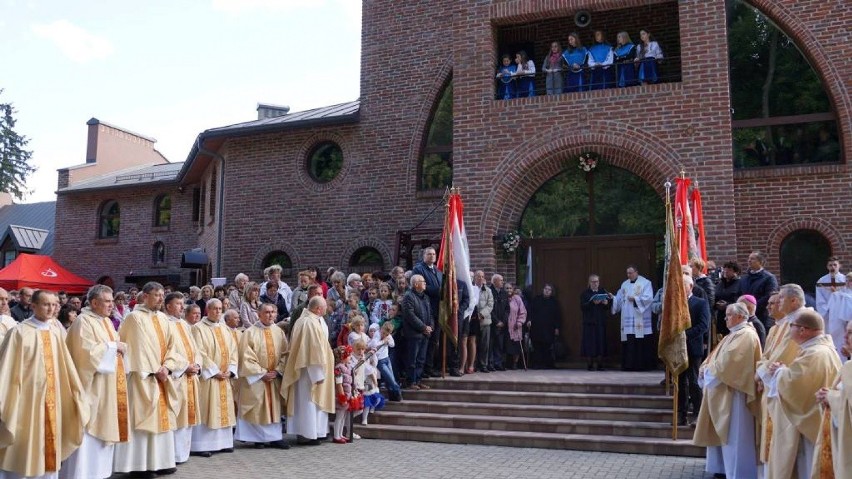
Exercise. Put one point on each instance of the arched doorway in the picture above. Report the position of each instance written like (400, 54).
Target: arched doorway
(596, 222)
(803, 257)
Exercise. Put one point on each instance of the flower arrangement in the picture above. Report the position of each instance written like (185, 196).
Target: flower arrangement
(511, 242)
(587, 162)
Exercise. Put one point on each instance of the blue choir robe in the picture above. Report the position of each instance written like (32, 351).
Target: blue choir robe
(506, 84)
(575, 80)
(625, 70)
(601, 59)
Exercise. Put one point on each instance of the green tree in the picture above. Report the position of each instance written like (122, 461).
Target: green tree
(14, 156)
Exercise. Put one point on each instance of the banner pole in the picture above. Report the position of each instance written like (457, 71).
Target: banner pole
(444, 358)
(668, 380)
(674, 409)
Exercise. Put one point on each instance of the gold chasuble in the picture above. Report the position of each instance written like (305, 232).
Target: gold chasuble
(219, 354)
(733, 364)
(779, 348)
(152, 344)
(88, 342)
(815, 367)
(833, 453)
(262, 349)
(309, 347)
(189, 414)
(6, 323)
(43, 407)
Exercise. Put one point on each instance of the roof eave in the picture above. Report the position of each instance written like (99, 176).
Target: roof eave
(234, 132)
(116, 187)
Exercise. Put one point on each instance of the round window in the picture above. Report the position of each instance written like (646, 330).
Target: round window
(325, 162)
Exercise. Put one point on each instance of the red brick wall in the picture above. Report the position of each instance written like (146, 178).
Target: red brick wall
(503, 150)
(78, 248)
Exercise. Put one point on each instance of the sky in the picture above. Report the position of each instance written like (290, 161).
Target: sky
(166, 69)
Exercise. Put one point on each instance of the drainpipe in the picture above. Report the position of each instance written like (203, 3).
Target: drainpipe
(220, 203)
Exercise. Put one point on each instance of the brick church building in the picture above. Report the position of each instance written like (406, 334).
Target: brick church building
(358, 186)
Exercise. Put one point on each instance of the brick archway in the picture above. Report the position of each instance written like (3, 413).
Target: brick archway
(440, 80)
(544, 156)
(780, 232)
(265, 248)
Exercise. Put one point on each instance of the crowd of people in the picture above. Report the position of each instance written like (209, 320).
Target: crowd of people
(579, 68)
(139, 387)
(138, 381)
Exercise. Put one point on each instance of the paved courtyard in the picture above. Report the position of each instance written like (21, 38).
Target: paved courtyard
(402, 459)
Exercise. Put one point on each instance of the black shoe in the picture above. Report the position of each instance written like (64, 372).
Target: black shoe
(483, 370)
(201, 453)
(719, 475)
(282, 444)
(259, 445)
(499, 368)
(590, 367)
(309, 442)
(682, 421)
(228, 450)
(455, 373)
(166, 472)
(601, 367)
(142, 474)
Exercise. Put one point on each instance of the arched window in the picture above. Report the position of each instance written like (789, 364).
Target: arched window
(281, 259)
(158, 253)
(366, 260)
(163, 210)
(803, 257)
(782, 114)
(109, 219)
(436, 162)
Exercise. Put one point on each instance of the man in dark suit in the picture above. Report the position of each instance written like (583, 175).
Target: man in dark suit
(433, 277)
(688, 389)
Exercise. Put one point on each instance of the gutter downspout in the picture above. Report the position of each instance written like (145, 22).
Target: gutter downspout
(221, 204)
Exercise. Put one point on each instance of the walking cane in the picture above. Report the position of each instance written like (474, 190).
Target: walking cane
(523, 356)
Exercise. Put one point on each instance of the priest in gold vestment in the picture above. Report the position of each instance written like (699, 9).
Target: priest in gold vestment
(308, 384)
(154, 367)
(730, 405)
(218, 365)
(792, 398)
(99, 357)
(43, 407)
(7, 322)
(263, 349)
(784, 307)
(836, 428)
(188, 415)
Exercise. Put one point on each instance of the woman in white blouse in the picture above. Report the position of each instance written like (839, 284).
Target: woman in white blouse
(525, 74)
(648, 53)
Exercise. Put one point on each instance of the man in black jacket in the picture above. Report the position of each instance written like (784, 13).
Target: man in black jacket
(759, 283)
(499, 322)
(417, 327)
(727, 292)
(429, 271)
(688, 389)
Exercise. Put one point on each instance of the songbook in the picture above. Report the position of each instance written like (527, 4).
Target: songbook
(599, 297)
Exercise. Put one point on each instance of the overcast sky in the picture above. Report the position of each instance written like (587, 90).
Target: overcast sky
(166, 69)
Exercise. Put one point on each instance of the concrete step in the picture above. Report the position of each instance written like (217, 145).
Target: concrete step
(533, 410)
(529, 424)
(539, 398)
(550, 387)
(582, 442)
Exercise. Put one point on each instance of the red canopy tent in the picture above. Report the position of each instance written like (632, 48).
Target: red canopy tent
(41, 272)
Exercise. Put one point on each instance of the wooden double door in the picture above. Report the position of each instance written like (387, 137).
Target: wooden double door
(566, 263)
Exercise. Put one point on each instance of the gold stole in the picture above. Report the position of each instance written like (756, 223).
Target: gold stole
(825, 460)
(223, 383)
(163, 408)
(121, 387)
(49, 406)
(190, 384)
(271, 362)
(775, 343)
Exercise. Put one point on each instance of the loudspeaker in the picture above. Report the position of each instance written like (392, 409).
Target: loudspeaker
(582, 18)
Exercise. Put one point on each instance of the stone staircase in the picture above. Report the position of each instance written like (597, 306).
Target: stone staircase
(608, 412)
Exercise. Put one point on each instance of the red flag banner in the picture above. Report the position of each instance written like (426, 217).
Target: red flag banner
(698, 221)
(454, 261)
(683, 222)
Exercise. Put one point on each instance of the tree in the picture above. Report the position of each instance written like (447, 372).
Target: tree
(14, 157)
